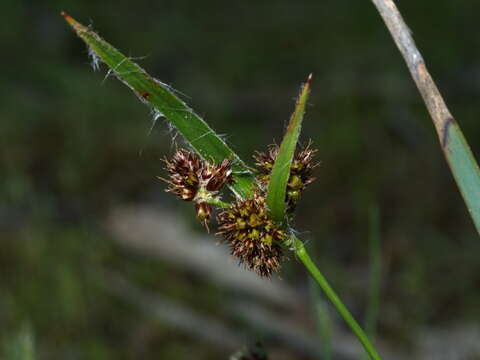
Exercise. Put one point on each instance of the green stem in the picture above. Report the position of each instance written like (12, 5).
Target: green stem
(334, 299)
(218, 203)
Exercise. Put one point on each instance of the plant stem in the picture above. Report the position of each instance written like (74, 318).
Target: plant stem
(218, 203)
(454, 145)
(302, 253)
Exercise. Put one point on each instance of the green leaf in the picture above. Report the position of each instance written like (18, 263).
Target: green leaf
(161, 97)
(464, 168)
(277, 187)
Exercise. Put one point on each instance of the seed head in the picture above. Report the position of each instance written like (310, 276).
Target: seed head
(253, 237)
(204, 211)
(300, 171)
(184, 170)
(193, 179)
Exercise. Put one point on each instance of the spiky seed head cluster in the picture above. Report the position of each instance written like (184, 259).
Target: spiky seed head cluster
(183, 168)
(193, 179)
(253, 237)
(300, 171)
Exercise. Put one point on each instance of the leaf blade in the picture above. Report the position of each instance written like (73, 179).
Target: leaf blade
(464, 168)
(277, 187)
(161, 97)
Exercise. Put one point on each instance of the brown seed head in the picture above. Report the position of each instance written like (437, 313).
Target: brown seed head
(300, 171)
(204, 212)
(253, 237)
(183, 169)
(193, 179)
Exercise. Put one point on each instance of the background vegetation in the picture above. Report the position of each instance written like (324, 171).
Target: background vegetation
(74, 150)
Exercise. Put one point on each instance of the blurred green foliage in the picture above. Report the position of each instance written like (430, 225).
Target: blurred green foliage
(73, 147)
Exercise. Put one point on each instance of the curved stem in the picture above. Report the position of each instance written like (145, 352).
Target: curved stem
(334, 299)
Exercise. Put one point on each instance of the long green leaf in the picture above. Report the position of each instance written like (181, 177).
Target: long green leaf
(277, 186)
(464, 168)
(161, 97)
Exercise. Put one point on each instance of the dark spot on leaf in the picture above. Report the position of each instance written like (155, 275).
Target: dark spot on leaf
(446, 130)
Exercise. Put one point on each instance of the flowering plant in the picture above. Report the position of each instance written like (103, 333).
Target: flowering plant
(256, 224)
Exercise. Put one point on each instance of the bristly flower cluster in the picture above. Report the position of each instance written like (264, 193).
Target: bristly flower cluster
(253, 237)
(193, 179)
(300, 171)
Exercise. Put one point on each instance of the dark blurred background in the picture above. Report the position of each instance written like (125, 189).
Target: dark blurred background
(98, 262)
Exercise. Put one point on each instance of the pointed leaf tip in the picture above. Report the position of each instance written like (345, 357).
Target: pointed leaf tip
(67, 17)
(164, 101)
(306, 87)
(309, 80)
(277, 186)
(79, 28)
